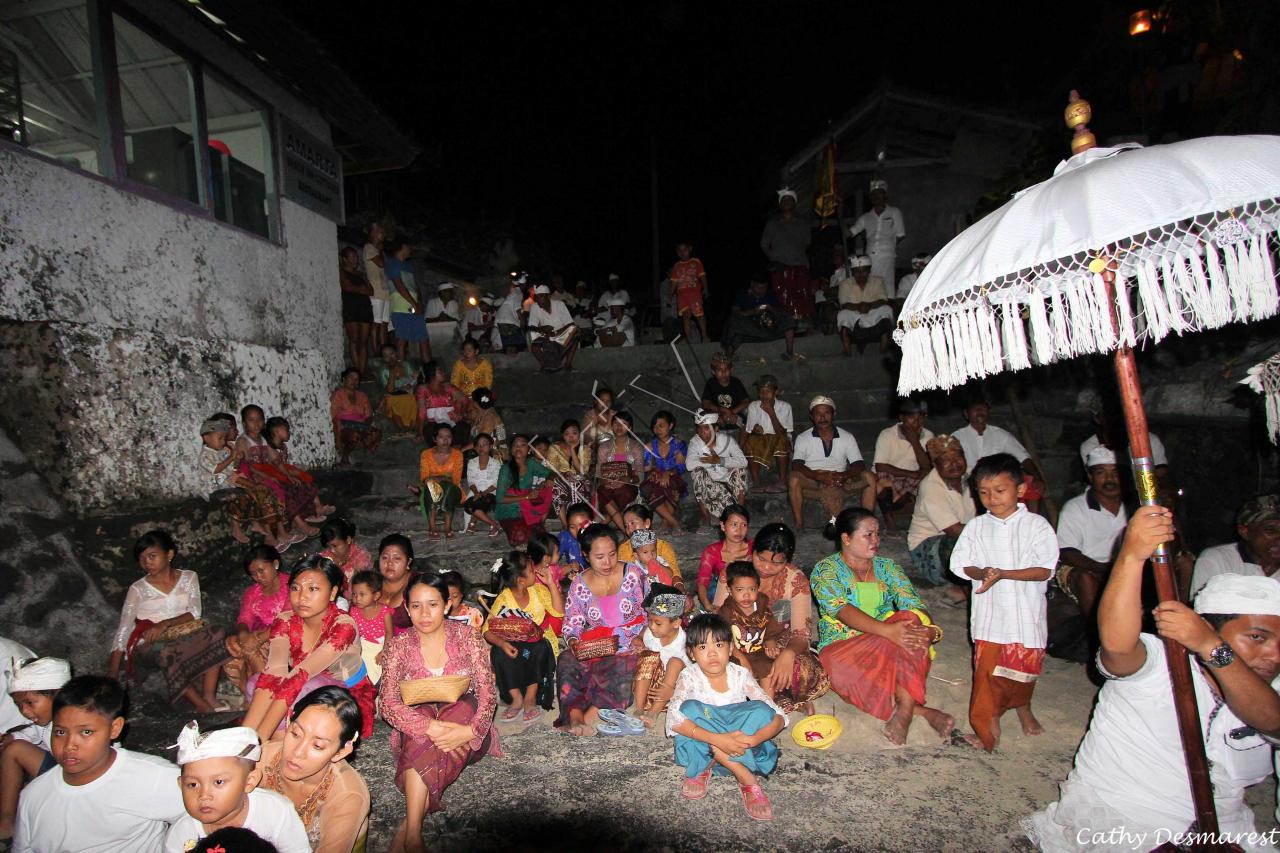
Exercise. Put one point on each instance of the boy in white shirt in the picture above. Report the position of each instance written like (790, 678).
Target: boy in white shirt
(766, 435)
(722, 720)
(1008, 621)
(664, 657)
(102, 798)
(25, 754)
(219, 783)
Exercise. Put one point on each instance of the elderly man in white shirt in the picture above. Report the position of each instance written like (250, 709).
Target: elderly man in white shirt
(884, 229)
(827, 466)
(981, 438)
(444, 305)
(943, 507)
(618, 330)
(717, 468)
(1257, 552)
(865, 315)
(1090, 528)
(552, 332)
(908, 281)
(508, 336)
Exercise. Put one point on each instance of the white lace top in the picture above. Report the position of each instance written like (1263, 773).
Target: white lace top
(144, 601)
(479, 478)
(692, 684)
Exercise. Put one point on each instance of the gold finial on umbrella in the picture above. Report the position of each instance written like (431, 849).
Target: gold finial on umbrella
(1077, 116)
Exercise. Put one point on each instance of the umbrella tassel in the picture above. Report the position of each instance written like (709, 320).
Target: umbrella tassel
(1219, 291)
(1060, 345)
(1041, 335)
(938, 341)
(1236, 269)
(1206, 315)
(928, 364)
(1154, 311)
(1015, 337)
(956, 351)
(978, 347)
(994, 349)
(1264, 298)
(1077, 321)
(1104, 334)
(1173, 298)
(1125, 335)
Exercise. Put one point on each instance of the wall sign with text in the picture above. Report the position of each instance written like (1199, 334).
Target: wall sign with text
(312, 171)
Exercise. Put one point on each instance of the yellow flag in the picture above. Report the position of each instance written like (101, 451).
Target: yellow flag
(826, 201)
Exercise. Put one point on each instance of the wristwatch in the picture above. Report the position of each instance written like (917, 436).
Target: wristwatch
(1221, 656)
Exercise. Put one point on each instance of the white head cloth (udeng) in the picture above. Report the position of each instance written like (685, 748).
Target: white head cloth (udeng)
(235, 742)
(1100, 455)
(39, 674)
(541, 290)
(787, 191)
(879, 185)
(860, 261)
(704, 417)
(822, 400)
(1242, 594)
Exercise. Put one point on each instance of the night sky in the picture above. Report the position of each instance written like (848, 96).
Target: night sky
(543, 114)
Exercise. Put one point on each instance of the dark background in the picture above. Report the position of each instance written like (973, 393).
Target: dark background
(538, 120)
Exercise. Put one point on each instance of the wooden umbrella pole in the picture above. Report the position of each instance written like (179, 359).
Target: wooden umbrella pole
(1184, 696)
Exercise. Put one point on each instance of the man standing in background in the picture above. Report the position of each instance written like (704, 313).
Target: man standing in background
(882, 225)
(785, 243)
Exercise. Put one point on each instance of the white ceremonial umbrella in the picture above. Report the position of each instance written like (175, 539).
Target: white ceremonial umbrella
(1122, 245)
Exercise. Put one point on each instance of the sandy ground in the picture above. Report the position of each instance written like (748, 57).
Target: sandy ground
(551, 790)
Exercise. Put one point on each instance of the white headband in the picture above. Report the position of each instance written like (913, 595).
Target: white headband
(705, 417)
(787, 191)
(1100, 455)
(822, 400)
(879, 185)
(541, 290)
(39, 674)
(235, 742)
(860, 261)
(1240, 594)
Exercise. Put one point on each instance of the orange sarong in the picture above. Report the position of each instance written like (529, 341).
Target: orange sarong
(1004, 676)
(866, 670)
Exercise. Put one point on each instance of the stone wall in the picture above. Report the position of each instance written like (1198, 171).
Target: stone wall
(125, 321)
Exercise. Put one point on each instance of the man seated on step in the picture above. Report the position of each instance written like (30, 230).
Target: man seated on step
(1112, 433)
(827, 466)
(1257, 552)
(982, 438)
(1089, 532)
(901, 461)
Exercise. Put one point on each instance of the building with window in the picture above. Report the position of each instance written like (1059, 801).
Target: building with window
(171, 178)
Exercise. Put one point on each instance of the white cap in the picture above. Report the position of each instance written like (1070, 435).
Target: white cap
(39, 674)
(921, 260)
(859, 261)
(1241, 594)
(541, 290)
(1100, 455)
(235, 742)
(822, 400)
(879, 185)
(702, 417)
(445, 285)
(613, 276)
(787, 191)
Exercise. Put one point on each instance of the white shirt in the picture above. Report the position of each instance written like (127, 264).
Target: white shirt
(674, 650)
(692, 684)
(809, 450)
(10, 716)
(1130, 770)
(126, 808)
(625, 325)
(882, 230)
(1221, 560)
(473, 316)
(905, 284)
(725, 447)
(437, 306)
(1158, 455)
(892, 448)
(557, 317)
(1011, 611)
(938, 506)
(758, 417)
(508, 312)
(376, 275)
(1089, 528)
(993, 440)
(209, 460)
(479, 478)
(144, 601)
(270, 816)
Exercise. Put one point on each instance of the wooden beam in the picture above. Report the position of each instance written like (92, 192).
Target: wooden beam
(861, 166)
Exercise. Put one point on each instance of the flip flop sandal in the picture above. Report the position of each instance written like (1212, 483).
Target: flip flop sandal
(511, 715)
(532, 715)
(494, 532)
(695, 787)
(756, 803)
(609, 730)
(449, 535)
(628, 724)
(433, 535)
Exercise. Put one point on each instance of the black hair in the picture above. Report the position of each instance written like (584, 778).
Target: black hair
(323, 565)
(428, 371)
(605, 389)
(391, 245)
(341, 702)
(270, 427)
(624, 415)
(435, 433)
(336, 528)
(591, 533)
(438, 582)
(512, 567)
(846, 522)
(541, 545)
(1217, 620)
(730, 511)
(760, 277)
(456, 580)
(483, 397)
(223, 416)
(261, 552)
(511, 463)
(571, 422)
(664, 415)
(94, 693)
(233, 839)
(397, 540)
(348, 372)
(539, 439)
(154, 539)
(776, 538)
(470, 340)
(995, 465)
(976, 400)
(741, 569)
(658, 589)
(705, 627)
(251, 408)
(640, 511)
(476, 438)
(578, 508)
(369, 578)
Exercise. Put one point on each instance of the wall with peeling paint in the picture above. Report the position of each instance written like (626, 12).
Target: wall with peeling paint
(124, 322)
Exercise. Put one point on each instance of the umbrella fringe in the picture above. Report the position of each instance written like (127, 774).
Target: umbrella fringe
(1015, 337)
(1061, 344)
(1155, 311)
(1125, 335)
(1104, 333)
(1262, 286)
(1041, 335)
(994, 349)
(1237, 281)
(1173, 298)
(1219, 289)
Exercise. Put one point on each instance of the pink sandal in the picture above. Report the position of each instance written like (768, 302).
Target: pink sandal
(695, 787)
(756, 803)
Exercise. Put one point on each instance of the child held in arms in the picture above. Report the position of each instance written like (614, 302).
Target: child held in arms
(1008, 555)
(722, 721)
(101, 797)
(25, 754)
(219, 781)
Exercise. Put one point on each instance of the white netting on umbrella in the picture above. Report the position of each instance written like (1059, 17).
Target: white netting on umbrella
(1200, 273)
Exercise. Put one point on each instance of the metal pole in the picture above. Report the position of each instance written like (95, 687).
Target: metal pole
(567, 484)
(658, 397)
(680, 361)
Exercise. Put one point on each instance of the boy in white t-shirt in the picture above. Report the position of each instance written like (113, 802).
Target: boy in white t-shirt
(1008, 621)
(664, 657)
(101, 797)
(219, 783)
(766, 435)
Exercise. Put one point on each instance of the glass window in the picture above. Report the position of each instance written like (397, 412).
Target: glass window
(240, 157)
(155, 98)
(47, 100)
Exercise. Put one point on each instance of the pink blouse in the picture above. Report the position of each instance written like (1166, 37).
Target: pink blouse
(374, 630)
(258, 610)
(467, 654)
(358, 560)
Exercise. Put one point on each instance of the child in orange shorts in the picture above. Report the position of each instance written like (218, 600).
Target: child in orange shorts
(689, 284)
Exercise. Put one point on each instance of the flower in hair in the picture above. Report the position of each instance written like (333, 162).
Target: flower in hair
(497, 564)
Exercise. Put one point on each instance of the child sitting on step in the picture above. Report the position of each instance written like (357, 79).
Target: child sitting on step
(664, 656)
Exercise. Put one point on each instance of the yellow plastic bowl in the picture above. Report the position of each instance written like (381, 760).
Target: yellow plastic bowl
(816, 732)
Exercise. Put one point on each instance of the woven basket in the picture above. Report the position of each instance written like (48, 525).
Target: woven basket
(445, 689)
(598, 648)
